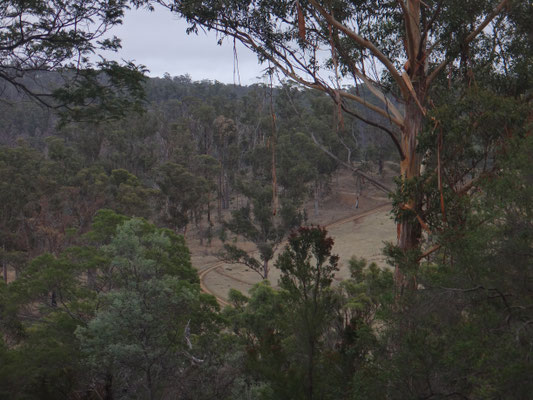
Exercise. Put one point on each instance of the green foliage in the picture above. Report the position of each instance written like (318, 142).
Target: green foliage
(183, 194)
(121, 313)
(19, 184)
(104, 226)
(128, 305)
(301, 163)
(129, 196)
(161, 251)
(46, 365)
(38, 36)
(259, 322)
(258, 223)
(132, 334)
(306, 265)
(107, 91)
(307, 270)
(310, 339)
(466, 330)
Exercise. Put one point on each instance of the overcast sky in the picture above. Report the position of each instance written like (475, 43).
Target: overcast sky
(158, 40)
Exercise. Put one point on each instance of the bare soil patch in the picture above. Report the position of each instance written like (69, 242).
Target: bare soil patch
(359, 232)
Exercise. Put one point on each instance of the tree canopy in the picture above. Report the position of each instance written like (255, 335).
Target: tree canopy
(66, 37)
(100, 298)
(406, 53)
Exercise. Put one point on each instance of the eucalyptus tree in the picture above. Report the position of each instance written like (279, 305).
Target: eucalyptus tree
(209, 169)
(257, 223)
(140, 324)
(19, 171)
(182, 195)
(140, 332)
(404, 49)
(311, 338)
(307, 272)
(470, 330)
(225, 141)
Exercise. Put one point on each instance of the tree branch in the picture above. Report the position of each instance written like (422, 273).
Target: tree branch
(379, 185)
(369, 84)
(430, 251)
(391, 134)
(468, 39)
(367, 44)
(250, 43)
(410, 35)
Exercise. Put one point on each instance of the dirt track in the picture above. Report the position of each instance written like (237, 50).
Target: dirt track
(361, 234)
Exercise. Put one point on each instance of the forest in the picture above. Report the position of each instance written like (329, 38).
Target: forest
(120, 192)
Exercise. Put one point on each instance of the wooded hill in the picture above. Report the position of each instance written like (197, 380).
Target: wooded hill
(103, 304)
(99, 298)
(196, 145)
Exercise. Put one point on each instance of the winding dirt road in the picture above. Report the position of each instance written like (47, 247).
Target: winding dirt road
(337, 229)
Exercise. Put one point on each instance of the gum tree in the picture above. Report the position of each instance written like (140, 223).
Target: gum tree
(401, 50)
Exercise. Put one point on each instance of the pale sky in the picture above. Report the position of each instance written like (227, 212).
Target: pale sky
(158, 40)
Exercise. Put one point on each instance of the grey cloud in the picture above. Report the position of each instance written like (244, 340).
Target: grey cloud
(158, 40)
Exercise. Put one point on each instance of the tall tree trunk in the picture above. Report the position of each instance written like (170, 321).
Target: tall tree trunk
(274, 174)
(108, 387)
(226, 193)
(219, 197)
(316, 199)
(265, 269)
(150, 384)
(209, 208)
(4, 263)
(409, 229)
(310, 369)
